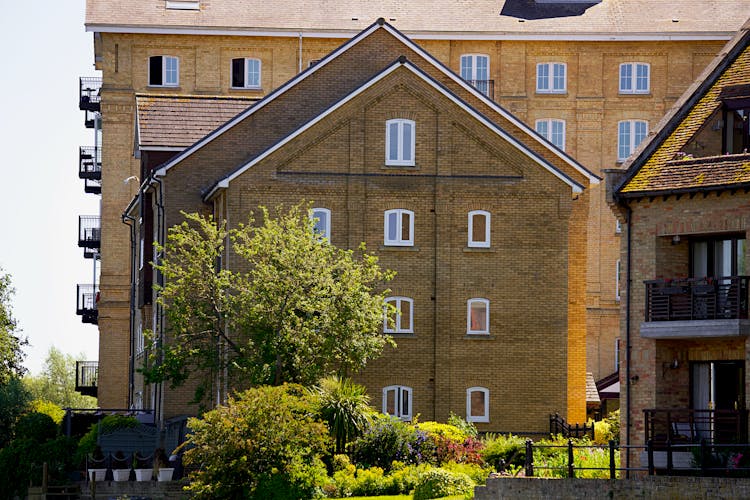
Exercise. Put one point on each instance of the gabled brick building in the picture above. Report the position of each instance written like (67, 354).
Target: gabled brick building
(685, 209)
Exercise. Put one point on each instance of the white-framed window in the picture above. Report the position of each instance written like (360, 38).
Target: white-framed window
(617, 353)
(245, 73)
(479, 228)
(553, 130)
(399, 227)
(139, 340)
(398, 315)
(635, 78)
(163, 71)
(550, 78)
(399, 142)
(477, 404)
(475, 69)
(618, 226)
(630, 133)
(321, 218)
(397, 401)
(618, 270)
(477, 316)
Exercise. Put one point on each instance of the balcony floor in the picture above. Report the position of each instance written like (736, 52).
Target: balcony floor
(696, 329)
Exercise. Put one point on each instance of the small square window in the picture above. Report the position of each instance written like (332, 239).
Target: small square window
(245, 73)
(163, 71)
(399, 228)
(634, 78)
(477, 404)
(550, 78)
(479, 229)
(399, 142)
(478, 316)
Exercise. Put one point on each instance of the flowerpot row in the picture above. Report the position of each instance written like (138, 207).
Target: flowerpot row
(164, 474)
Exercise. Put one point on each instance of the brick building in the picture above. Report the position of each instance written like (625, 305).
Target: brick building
(685, 209)
(586, 76)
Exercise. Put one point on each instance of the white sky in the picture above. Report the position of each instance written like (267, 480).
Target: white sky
(43, 51)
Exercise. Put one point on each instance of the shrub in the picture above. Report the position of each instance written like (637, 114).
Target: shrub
(467, 427)
(447, 431)
(263, 444)
(404, 478)
(476, 472)
(500, 451)
(21, 463)
(55, 412)
(387, 440)
(108, 424)
(438, 483)
(36, 427)
(344, 407)
(468, 451)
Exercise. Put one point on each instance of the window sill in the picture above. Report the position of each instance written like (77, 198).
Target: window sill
(398, 248)
(164, 87)
(402, 335)
(396, 167)
(256, 89)
(479, 250)
(636, 94)
(552, 92)
(401, 165)
(479, 336)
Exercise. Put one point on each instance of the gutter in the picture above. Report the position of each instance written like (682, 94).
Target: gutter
(129, 221)
(628, 422)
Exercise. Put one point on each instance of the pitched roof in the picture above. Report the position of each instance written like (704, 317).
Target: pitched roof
(176, 122)
(401, 63)
(519, 129)
(607, 20)
(655, 169)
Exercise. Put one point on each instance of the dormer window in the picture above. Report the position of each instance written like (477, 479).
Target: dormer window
(736, 124)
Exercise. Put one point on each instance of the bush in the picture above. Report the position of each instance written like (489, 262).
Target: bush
(447, 431)
(108, 424)
(263, 444)
(500, 451)
(404, 478)
(467, 427)
(48, 408)
(387, 440)
(344, 407)
(21, 463)
(438, 483)
(36, 427)
(476, 472)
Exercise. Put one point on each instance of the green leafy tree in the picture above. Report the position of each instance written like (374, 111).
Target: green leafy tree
(263, 444)
(57, 382)
(14, 401)
(292, 309)
(344, 407)
(11, 341)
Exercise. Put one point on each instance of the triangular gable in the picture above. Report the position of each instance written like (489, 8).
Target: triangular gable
(402, 63)
(381, 24)
(652, 168)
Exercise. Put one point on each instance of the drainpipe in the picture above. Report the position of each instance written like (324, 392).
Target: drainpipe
(159, 397)
(130, 222)
(300, 53)
(627, 342)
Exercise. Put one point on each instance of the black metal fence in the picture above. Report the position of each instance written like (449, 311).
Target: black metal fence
(557, 425)
(696, 299)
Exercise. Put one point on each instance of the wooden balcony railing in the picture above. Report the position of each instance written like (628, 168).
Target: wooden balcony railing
(682, 425)
(87, 377)
(696, 299)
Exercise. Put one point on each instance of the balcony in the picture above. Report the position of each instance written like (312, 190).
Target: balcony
(90, 94)
(684, 426)
(87, 377)
(89, 235)
(87, 297)
(89, 163)
(696, 308)
(92, 186)
(486, 87)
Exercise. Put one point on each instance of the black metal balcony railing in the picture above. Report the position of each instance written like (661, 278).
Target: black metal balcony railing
(92, 186)
(87, 377)
(682, 425)
(89, 163)
(89, 231)
(90, 94)
(86, 303)
(697, 299)
(486, 87)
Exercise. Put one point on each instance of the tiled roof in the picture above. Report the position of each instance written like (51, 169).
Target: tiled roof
(592, 395)
(415, 17)
(179, 121)
(654, 168)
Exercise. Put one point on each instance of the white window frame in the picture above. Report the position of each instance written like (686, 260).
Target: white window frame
(469, 72)
(401, 413)
(548, 132)
(479, 418)
(326, 233)
(401, 148)
(398, 241)
(632, 144)
(164, 64)
(487, 226)
(397, 303)
(486, 330)
(618, 270)
(245, 78)
(545, 84)
(140, 344)
(633, 78)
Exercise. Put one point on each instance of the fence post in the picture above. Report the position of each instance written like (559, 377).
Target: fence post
(571, 464)
(529, 458)
(650, 451)
(612, 470)
(704, 457)
(669, 456)
(45, 477)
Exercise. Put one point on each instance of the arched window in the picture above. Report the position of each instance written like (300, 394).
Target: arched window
(553, 130)
(550, 78)
(477, 404)
(322, 222)
(399, 317)
(399, 142)
(479, 229)
(477, 316)
(397, 401)
(398, 227)
(630, 133)
(634, 78)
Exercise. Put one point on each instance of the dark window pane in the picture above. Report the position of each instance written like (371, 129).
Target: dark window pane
(238, 72)
(154, 70)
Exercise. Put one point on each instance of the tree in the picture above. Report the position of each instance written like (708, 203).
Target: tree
(57, 382)
(344, 407)
(292, 309)
(11, 341)
(263, 444)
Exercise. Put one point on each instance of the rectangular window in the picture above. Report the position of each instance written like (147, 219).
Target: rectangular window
(475, 69)
(246, 73)
(397, 401)
(477, 404)
(479, 229)
(550, 78)
(398, 315)
(321, 223)
(634, 78)
(478, 316)
(617, 280)
(399, 227)
(399, 142)
(553, 131)
(630, 133)
(163, 71)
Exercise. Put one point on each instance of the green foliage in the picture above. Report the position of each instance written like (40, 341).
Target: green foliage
(476, 472)
(57, 382)
(303, 308)
(14, 401)
(48, 408)
(344, 407)
(263, 444)
(438, 483)
(468, 428)
(448, 431)
(387, 440)
(37, 427)
(110, 423)
(500, 451)
(11, 340)
(613, 420)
